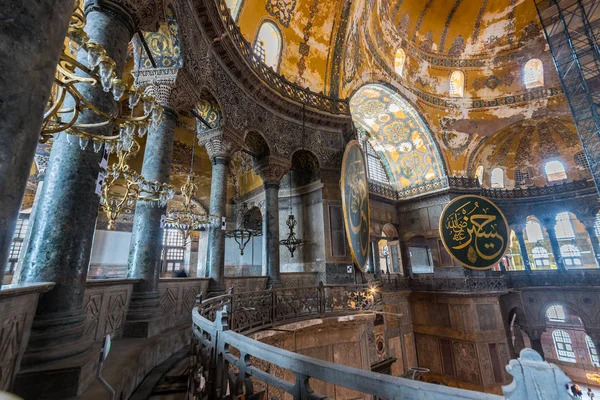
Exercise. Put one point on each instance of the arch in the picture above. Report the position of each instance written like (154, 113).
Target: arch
(305, 167)
(533, 73)
(390, 231)
(570, 309)
(533, 230)
(563, 346)
(556, 313)
(457, 84)
(564, 227)
(497, 178)
(268, 44)
(235, 6)
(555, 171)
(399, 61)
(257, 145)
(479, 174)
(398, 135)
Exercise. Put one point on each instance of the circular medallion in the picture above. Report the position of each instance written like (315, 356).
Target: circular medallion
(474, 231)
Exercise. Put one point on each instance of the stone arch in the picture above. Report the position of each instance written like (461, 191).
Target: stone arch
(305, 166)
(399, 134)
(567, 305)
(257, 144)
(390, 231)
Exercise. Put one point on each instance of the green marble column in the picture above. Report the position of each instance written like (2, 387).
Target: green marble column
(146, 239)
(216, 236)
(32, 34)
(523, 250)
(271, 244)
(65, 221)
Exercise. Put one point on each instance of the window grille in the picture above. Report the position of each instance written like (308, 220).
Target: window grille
(571, 255)
(173, 253)
(259, 50)
(564, 227)
(581, 160)
(556, 313)
(522, 177)
(555, 171)
(564, 346)
(533, 229)
(540, 256)
(16, 245)
(593, 351)
(533, 73)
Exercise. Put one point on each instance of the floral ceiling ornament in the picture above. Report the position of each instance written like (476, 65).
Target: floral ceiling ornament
(282, 10)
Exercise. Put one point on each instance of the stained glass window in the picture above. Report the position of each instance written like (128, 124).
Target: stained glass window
(592, 350)
(564, 227)
(571, 255)
(540, 257)
(555, 313)
(564, 346)
(533, 229)
(173, 253)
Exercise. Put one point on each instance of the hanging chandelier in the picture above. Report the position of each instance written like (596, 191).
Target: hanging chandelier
(185, 219)
(123, 187)
(99, 71)
(249, 226)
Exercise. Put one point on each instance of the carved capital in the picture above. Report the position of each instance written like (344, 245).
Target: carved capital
(218, 144)
(271, 169)
(147, 14)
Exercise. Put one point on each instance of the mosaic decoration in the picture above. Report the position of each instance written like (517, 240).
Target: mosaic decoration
(474, 232)
(447, 24)
(355, 203)
(304, 47)
(531, 31)
(282, 10)
(352, 59)
(493, 81)
(458, 47)
(398, 135)
(420, 20)
(340, 39)
(427, 42)
(164, 45)
(210, 111)
(478, 20)
(548, 148)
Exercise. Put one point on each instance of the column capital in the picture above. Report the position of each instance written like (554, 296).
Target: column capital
(219, 144)
(271, 169)
(144, 14)
(159, 83)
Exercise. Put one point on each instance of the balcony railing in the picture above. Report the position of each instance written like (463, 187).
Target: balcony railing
(274, 80)
(472, 185)
(225, 364)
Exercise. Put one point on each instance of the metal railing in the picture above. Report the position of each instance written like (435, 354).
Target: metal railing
(225, 363)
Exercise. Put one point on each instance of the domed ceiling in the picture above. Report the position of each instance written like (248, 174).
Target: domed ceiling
(527, 146)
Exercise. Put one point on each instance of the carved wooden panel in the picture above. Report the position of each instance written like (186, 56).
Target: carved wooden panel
(11, 335)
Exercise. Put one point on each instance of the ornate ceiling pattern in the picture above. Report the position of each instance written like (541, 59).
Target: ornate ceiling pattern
(398, 134)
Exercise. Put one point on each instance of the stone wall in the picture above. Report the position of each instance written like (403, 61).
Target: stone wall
(461, 339)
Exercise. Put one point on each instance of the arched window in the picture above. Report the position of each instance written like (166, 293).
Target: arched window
(534, 231)
(457, 84)
(533, 73)
(540, 257)
(497, 178)
(564, 227)
(563, 345)
(479, 174)
(235, 7)
(571, 255)
(268, 44)
(592, 350)
(555, 171)
(555, 313)
(399, 61)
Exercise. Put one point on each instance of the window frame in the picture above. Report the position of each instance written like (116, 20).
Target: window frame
(557, 176)
(275, 27)
(568, 355)
(497, 185)
(454, 90)
(529, 70)
(18, 239)
(178, 245)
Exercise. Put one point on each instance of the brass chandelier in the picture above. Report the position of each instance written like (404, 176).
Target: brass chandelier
(99, 71)
(186, 219)
(248, 227)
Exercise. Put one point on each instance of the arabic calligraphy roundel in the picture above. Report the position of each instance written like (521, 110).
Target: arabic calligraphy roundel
(355, 202)
(474, 231)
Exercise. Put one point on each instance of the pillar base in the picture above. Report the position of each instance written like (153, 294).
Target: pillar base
(58, 380)
(143, 329)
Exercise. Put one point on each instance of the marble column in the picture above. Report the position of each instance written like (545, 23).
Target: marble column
(220, 150)
(271, 170)
(555, 248)
(146, 238)
(405, 255)
(590, 227)
(376, 258)
(32, 34)
(65, 221)
(523, 249)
